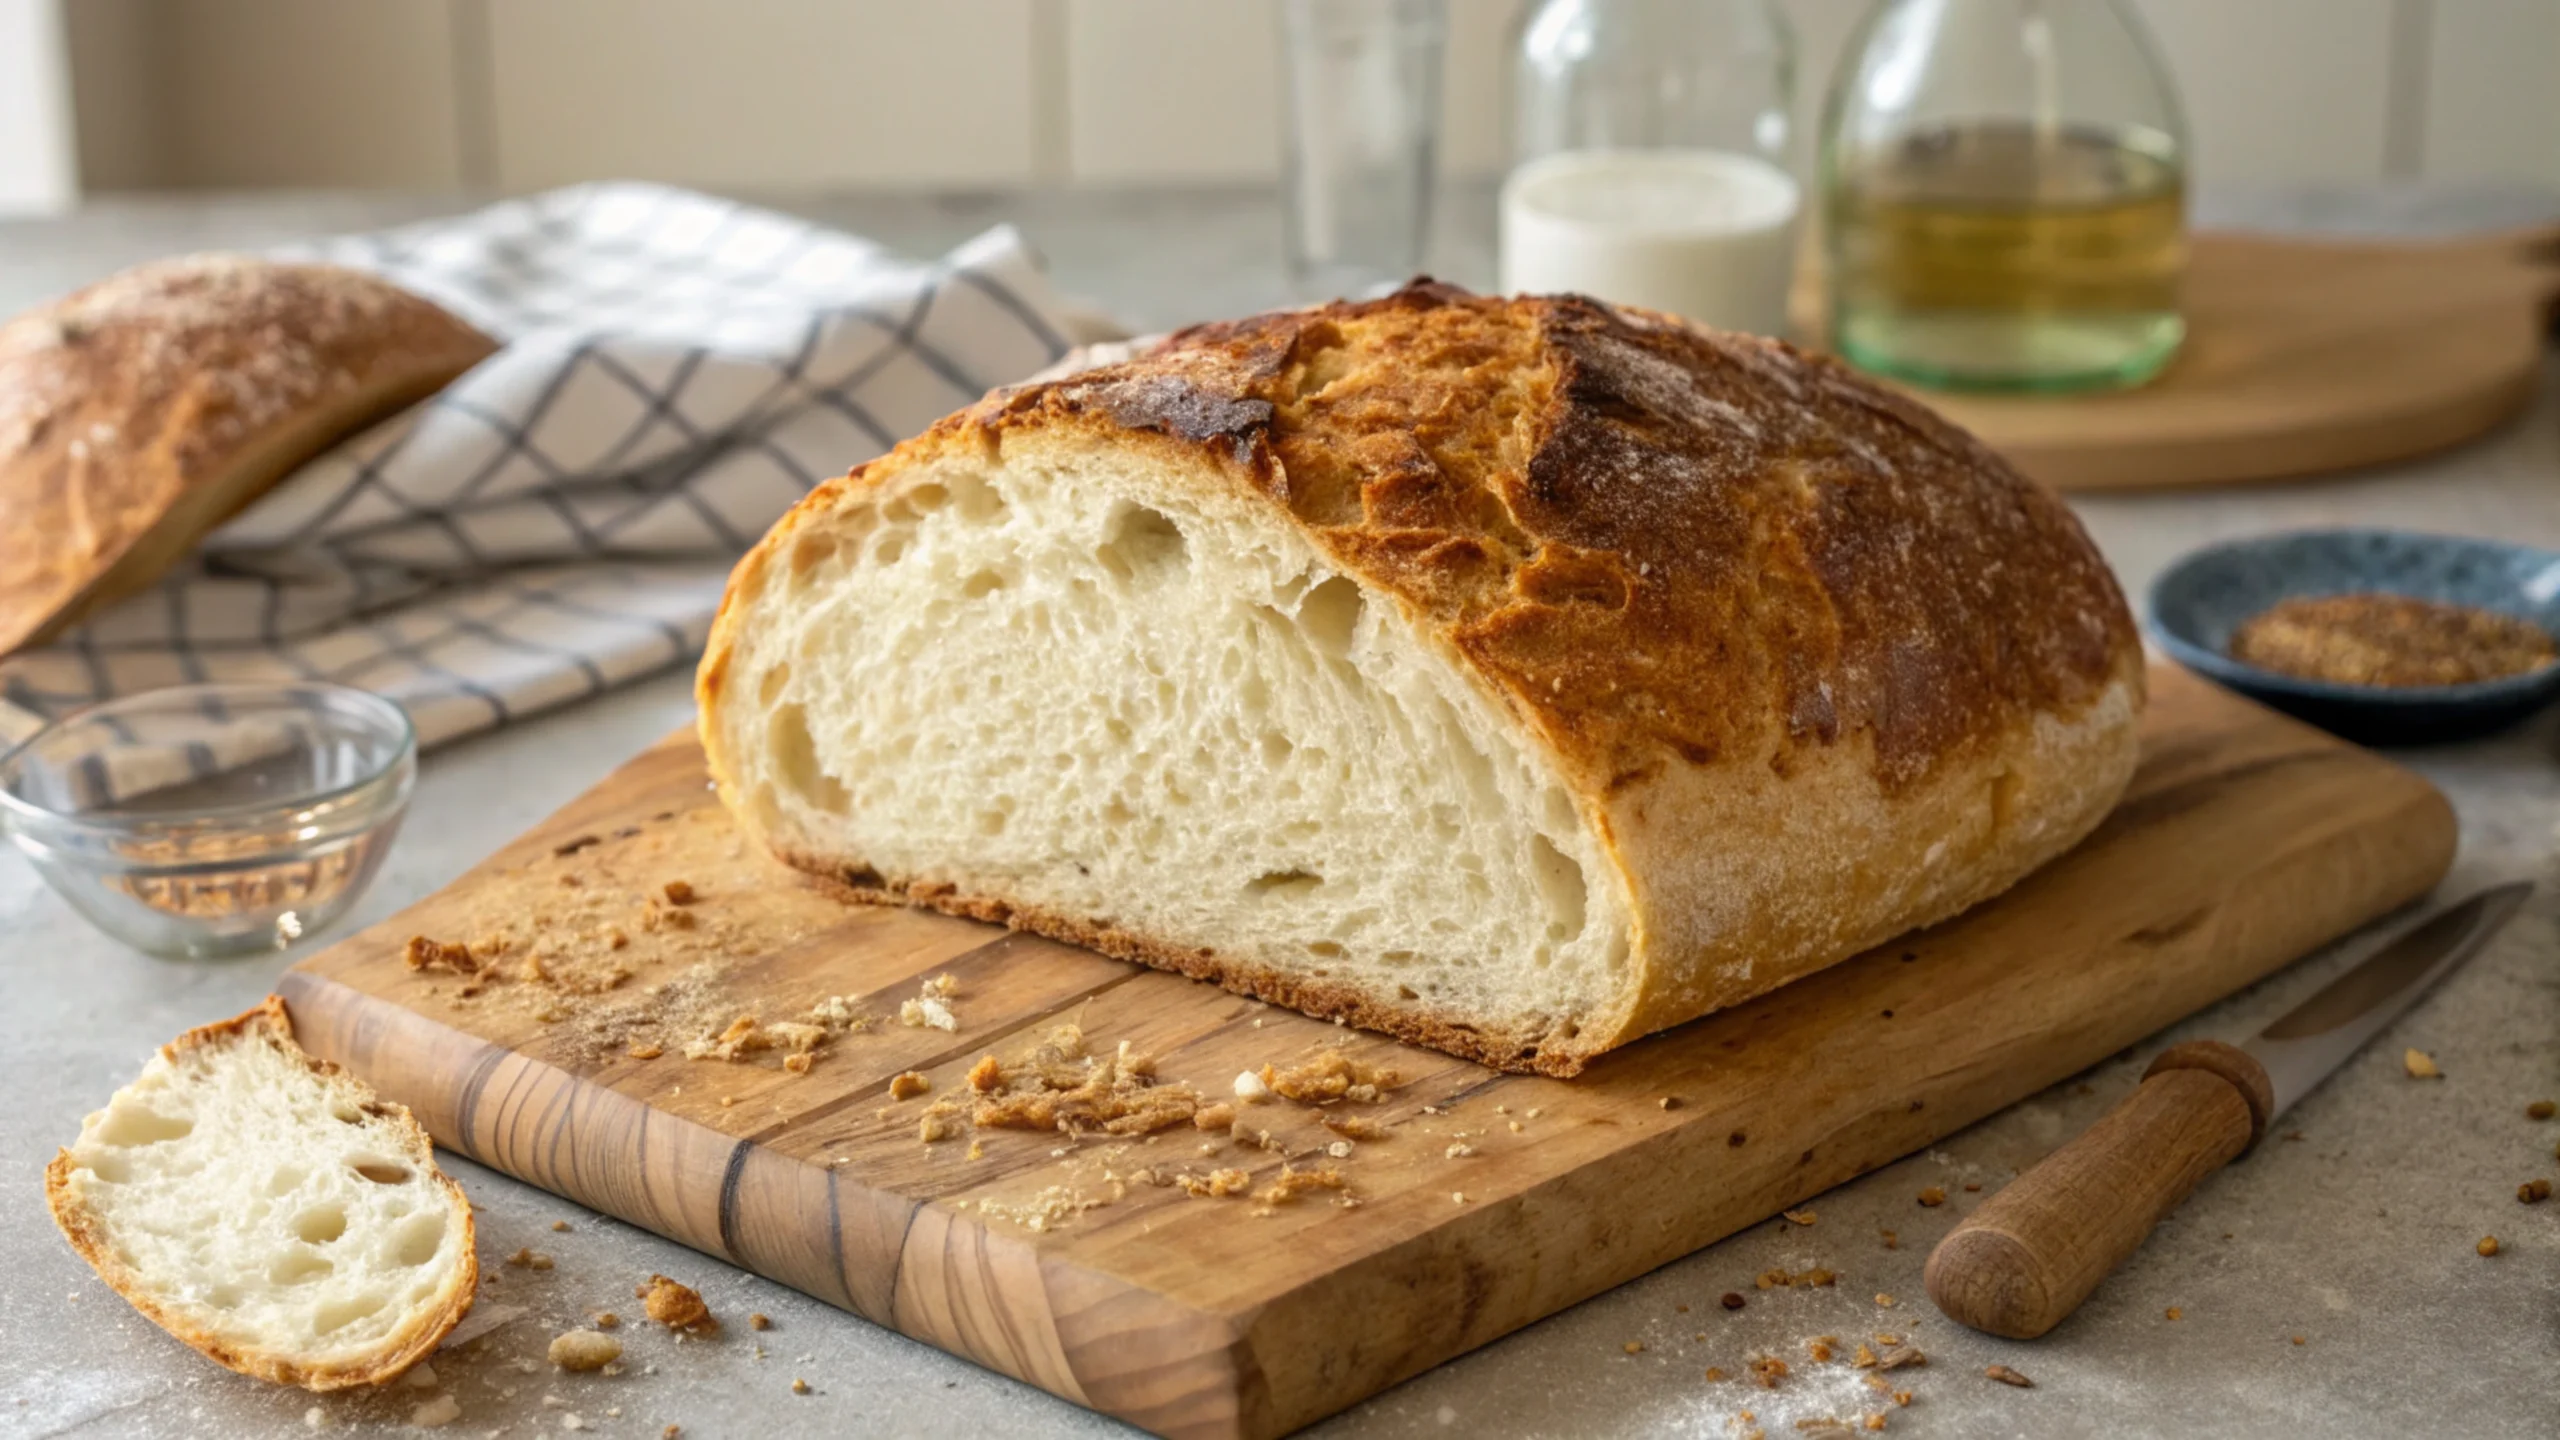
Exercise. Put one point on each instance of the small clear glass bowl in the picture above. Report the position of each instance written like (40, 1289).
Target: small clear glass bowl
(209, 820)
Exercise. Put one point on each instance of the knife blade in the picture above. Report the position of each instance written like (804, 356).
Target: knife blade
(2029, 1256)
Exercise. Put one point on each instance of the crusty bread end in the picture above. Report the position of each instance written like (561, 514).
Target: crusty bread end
(267, 1209)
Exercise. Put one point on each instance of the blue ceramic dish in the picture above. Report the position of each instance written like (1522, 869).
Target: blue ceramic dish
(2198, 601)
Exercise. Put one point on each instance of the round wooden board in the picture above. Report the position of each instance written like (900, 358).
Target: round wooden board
(2302, 358)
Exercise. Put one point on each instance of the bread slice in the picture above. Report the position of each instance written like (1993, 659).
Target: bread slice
(140, 413)
(265, 1208)
(1519, 677)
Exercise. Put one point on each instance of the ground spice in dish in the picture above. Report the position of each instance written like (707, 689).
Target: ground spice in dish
(2390, 640)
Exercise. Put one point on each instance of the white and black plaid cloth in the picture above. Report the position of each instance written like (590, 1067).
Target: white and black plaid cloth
(676, 371)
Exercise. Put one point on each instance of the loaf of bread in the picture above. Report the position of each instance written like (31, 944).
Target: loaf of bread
(140, 413)
(266, 1209)
(1518, 677)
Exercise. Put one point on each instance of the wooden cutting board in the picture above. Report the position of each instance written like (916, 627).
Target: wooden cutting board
(2246, 841)
(2302, 358)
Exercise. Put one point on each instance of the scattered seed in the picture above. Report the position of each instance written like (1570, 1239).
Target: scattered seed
(1799, 1217)
(1634, 1347)
(2177, 1314)
(2301, 1339)
(2534, 1192)
(2488, 1245)
(2007, 1376)
(2420, 1065)
(799, 1386)
(758, 1320)
(1973, 1187)
(1933, 1197)
(1733, 1300)
(2542, 1109)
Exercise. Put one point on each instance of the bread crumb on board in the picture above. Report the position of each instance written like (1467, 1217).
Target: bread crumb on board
(1933, 1197)
(758, 1320)
(584, 1350)
(1217, 1183)
(908, 1084)
(1292, 1182)
(2420, 1065)
(1330, 1075)
(676, 1306)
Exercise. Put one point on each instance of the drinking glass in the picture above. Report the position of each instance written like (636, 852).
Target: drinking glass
(1361, 100)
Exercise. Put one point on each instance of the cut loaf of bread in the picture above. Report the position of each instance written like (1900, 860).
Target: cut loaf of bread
(1519, 677)
(265, 1208)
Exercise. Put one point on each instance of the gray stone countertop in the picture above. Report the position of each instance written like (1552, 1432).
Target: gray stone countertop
(2358, 1238)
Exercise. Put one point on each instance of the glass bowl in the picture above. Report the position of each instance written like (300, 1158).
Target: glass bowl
(209, 820)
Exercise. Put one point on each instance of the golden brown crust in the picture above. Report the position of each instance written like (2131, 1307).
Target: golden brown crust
(1710, 547)
(1816, 666)
(139, 413)
(412, 1345)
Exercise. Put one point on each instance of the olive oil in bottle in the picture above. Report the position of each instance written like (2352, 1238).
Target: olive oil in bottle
(2007, 256)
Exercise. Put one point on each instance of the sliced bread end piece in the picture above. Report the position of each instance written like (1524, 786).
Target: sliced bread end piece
(267, 1209)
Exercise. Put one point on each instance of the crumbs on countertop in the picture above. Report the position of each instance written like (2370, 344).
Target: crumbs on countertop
(676, 1306)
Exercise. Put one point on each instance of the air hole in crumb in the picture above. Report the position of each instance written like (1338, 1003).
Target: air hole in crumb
(928, 497)
(1561, 884)
(420, 1237)
(769, 687)
(140, 1125)
(337, 1315)
(796, 758)
(285, 1179)
(1285, 883)
(976, 499)
(294, 1269)
(1325, 948)
(320, 1224)
(379, 1171)
(1142, 545)
(981, 585)
(814, 550)
(1331, 615)
(891, 546)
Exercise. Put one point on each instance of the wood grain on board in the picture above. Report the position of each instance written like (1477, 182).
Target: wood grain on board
(2246, 841)
(2302, 358)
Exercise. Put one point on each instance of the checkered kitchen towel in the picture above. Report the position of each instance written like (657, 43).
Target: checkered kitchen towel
(676, 371)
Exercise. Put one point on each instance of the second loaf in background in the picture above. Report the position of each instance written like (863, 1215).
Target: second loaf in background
(1517, 677)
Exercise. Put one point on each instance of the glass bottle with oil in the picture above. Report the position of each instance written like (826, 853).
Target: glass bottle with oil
(2004, 196)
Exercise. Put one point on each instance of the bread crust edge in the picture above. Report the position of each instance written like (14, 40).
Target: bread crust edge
(405, 1348)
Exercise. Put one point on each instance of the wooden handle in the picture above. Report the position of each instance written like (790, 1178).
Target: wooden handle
(2022, 1262)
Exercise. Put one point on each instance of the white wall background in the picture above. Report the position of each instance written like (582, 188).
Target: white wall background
(517, 94)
